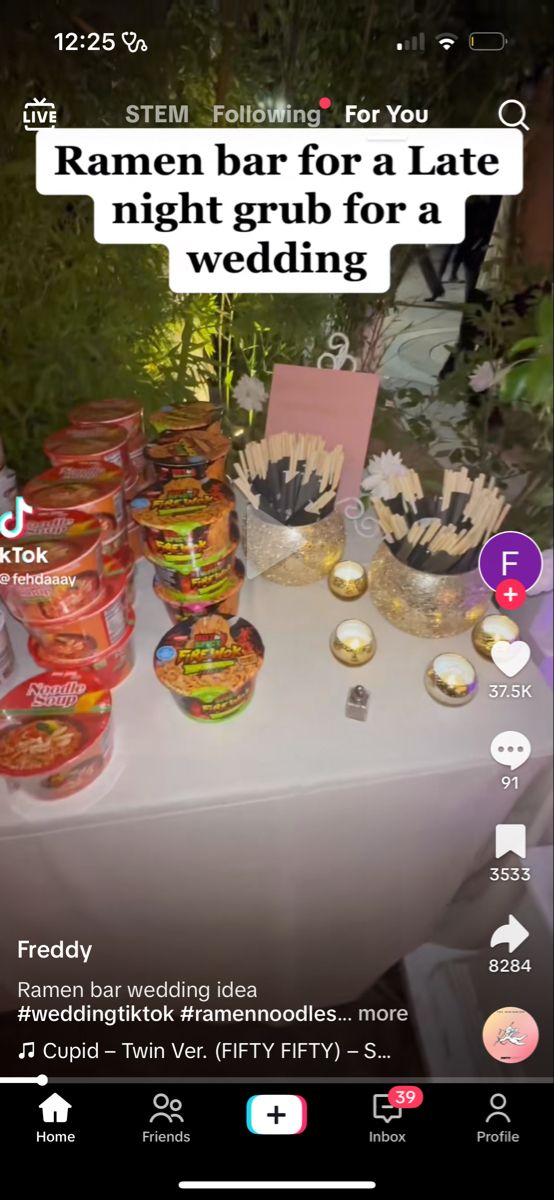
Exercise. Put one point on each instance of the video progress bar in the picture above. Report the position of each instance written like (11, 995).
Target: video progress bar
(235, 1185)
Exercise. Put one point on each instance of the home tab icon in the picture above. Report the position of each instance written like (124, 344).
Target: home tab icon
(55, 1109)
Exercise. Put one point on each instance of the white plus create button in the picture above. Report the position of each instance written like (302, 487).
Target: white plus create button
(276, 1114)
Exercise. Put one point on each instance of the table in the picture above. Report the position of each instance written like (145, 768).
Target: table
(289, 848)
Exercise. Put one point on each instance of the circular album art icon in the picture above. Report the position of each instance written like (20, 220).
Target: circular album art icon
(510, 1035)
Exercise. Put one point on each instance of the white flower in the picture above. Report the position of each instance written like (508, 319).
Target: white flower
(487, 375)
(250, 394)
(382, 467)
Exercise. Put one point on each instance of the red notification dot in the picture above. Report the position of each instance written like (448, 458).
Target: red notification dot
(325, 102)
(407, 1096)
(510, 594)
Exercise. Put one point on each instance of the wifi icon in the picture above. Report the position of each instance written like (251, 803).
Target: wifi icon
(446, 40)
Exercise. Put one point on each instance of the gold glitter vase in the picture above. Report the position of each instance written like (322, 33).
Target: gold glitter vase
(426, 605)
(293, 555)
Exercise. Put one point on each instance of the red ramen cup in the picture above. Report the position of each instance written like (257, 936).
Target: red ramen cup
(127, 413)
(92, 443)
(55, 733)
(135, 539)
(121, 565)
(60, 569)
(81, 637)
(92, 487)
(110, 667)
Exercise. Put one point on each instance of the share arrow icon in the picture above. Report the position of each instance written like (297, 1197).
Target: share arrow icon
(513, 934)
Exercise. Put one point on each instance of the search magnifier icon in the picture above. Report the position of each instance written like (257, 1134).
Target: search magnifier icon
(518, 109)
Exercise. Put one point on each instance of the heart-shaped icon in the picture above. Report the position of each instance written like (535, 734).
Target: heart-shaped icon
(510, 657)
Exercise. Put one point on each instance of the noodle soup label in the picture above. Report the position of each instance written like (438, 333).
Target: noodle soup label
(58, 695)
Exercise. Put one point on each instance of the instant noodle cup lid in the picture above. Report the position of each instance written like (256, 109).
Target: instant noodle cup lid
(87, 442)
(206, 656)
(193, 448)
(196, 415)
(49, 720)
(79, 482)
(182, 504)
(99, 412)
(57, 540)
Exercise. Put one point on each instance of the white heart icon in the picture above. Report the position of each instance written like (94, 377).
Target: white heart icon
(510, 657)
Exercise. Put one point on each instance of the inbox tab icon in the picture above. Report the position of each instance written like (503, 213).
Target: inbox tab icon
(510, 839)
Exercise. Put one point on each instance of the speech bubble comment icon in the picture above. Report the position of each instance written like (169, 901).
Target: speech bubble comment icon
(511, 749)
(383, 1110)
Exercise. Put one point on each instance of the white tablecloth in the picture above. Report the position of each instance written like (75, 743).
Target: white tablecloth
(290, 847)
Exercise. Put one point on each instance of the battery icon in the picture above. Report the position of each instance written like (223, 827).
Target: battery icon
(487, 41)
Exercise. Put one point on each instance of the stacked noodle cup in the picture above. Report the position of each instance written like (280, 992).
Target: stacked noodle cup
(76, 615)
(188, 519)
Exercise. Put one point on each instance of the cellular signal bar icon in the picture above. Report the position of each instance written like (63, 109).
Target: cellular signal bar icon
(417, 42)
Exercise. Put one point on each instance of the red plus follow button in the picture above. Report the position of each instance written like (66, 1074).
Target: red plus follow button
(405, 1096)
(510, 594)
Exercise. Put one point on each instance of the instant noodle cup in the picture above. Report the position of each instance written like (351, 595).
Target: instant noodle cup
(121, 565)
(210, 665)
(60, 566)
(55, 733)
(111, 667)
(202, 584)
(95, 488)
(132, 485)
(198, 454)
(91, 442)
(178, 607)
(187, 523)
(79, 638)
(127, 413)
(198, 414)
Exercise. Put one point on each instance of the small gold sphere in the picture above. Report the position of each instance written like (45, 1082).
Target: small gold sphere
(348, 580)
(353, 643)
(492, 629)
(451, 679)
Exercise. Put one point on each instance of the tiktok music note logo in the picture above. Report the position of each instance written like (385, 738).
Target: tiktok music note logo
(27, 1050)
(12, 524)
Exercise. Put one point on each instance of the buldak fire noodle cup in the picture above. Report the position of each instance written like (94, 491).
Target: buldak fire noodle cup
(210, 665)
(196, 415)
(55, 733)
(187, 523)
(65, 573)
(196, 454)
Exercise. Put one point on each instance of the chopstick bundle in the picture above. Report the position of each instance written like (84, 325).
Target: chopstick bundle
(441, 534)
(291, 477)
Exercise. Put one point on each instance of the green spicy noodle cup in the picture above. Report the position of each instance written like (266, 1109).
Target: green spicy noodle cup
(204, 583)
(223, 600)
(187, 523)
(198, 414)
(210, 665)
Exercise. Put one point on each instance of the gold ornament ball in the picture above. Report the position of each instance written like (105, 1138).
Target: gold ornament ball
(492, 629)
(353, 643)
(451, 679)
(348, 580)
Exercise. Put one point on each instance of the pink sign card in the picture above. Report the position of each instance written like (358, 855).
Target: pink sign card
(337, 405)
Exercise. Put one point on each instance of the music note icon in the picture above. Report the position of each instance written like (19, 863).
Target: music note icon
(28, 1050)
